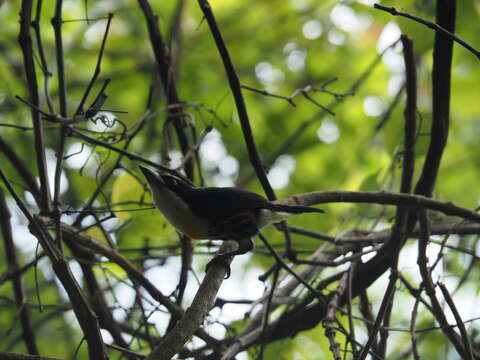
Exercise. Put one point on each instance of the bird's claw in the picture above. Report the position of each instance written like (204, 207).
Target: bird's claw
(219, 260)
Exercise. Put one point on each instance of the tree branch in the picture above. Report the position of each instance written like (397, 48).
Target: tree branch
(430, 288)
(85, 316)
(236, 89)
(28, 333)
(164, 68)
(436, 27)
(25, 41)
(12, 356)
(195, 314)
(383, 198)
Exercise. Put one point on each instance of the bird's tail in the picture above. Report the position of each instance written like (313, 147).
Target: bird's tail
(295, 209)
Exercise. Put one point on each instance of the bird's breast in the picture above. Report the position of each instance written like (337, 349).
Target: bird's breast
(179, 214)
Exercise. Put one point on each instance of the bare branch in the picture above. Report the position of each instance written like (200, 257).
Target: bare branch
(195, 314)
(436, 27)
(236, 89)
(383, 198)
(25, 41)
(28, 332)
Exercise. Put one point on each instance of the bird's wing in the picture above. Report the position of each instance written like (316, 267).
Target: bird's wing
(220, 204)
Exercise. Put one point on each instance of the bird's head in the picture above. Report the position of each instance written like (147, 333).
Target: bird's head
(161, 181)
(171, 196)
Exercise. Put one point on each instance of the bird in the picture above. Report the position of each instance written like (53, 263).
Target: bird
(216, 213)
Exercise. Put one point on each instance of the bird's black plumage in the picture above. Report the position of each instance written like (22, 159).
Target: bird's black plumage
(226, 213)
(204, 201)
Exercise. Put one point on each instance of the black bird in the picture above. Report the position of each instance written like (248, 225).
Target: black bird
(218, 213)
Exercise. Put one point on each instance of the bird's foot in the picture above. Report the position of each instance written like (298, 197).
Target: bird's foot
(220, 260)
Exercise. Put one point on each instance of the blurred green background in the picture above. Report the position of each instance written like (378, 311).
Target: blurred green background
(277, 46)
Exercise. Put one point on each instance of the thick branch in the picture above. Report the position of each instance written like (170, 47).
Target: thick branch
(195, 314)
(383, 198)
(72, 234)
(399, 233)
(295, 321)
(441, 74)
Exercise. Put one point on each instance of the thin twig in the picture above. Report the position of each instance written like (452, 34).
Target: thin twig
(289, 99)
(125, 153)
(25, 41)
(458, 319)
(431, 25)
(319, 296)
(330, 318)
(41, 52)
(351, 323)
(413, 335)
(236, 89)
(97, 70)
(384, 306)
(303, 126)
(304, 91)
(28, 332)
(430, 288)
(164, 68)
(268, 308)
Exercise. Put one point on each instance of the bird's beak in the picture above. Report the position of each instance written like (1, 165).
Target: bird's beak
(150, 175)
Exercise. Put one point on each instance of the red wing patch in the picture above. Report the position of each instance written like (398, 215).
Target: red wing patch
(246, 213)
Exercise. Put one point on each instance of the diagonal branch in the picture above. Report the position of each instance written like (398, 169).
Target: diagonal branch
(458, 319)
(71, 234)
(21, 168)
(28, 333)
(98, 67)
(164, 68)
(431, 25)
(85, 316)
(195, 314)
(236, 88)
(430, 288)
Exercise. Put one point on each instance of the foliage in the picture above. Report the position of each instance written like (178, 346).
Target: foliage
(345, 131)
